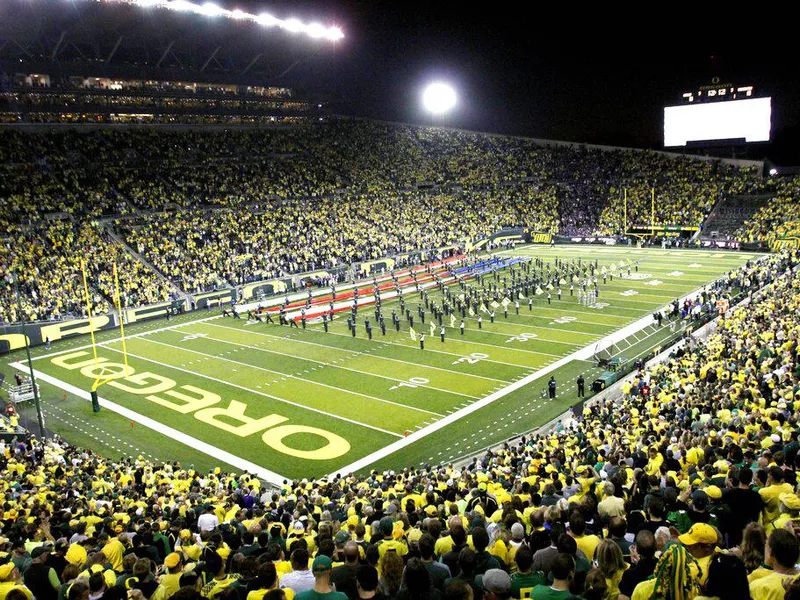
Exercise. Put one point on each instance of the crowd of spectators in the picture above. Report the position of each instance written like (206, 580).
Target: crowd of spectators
(779, 218)
(212, 207)
(46, 262)
(686, 189)
(682, 486)
(203, 250)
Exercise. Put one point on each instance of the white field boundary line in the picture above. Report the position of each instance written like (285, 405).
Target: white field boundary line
(165, 430)
(582, 354)
(127, 337)
(252, 391)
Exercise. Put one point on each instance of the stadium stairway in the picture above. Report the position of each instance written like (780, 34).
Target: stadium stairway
(730, 213)
(113, 235)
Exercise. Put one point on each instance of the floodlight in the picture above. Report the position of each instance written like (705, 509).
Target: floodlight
(182, 5)
(267, 20)
(316, 30)
(293, 25)
(212, 10)
(438, 98)
(773, 171)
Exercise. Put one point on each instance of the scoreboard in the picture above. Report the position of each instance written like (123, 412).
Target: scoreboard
(720, 112)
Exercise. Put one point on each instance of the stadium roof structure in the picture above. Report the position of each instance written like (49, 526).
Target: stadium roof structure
(119, 39)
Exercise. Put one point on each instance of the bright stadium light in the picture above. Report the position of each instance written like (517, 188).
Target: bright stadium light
(293, 25)
(182, 6)
(773, 171)
(438, 98)
(315, 30)
(267, 20)
(210, 9)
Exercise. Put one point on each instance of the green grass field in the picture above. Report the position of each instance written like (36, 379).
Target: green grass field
(214, 391)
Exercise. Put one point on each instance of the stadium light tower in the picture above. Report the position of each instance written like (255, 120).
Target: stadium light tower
(439, 98)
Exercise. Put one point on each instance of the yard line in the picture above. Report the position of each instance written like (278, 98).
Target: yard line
(337, 366)
(127, 337)
(333, 387)
(544, 339)
(582, 354)
(405, 362)
(583, 312)
(473, 343)
(532, 315)
(247, 389)
(504, 322)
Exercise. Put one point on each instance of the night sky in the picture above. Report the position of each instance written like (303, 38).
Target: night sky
(551, 71)
(580, 79)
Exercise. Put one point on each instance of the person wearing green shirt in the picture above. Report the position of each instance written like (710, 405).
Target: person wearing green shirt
(524, 580)
(322, 590)
(563, 571)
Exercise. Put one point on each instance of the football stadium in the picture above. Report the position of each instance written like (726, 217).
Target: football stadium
(260, 341)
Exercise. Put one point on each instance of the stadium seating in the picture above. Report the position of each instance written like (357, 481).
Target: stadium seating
(780, 218)
(48, 263)
(211, 208)
(696, 463)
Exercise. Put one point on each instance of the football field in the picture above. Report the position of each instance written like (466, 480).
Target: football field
(293, 402)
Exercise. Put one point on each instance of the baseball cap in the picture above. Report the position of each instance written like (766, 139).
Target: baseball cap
(386, 526)
(700, 533)
(39, 550)
(497, 581)
(172, 560)
(482, 486)
(6, 570)
(341, 537)
(321, 564)
(700, 501)
(713, 492)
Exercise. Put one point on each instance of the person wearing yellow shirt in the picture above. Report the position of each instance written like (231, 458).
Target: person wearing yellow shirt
(445, 544)
(782, 553)
(169, 582)
(586, 543)
(114, 549)
(221, 580)
(672, 579)
(386, 528)
(790, 512)
(266, 580)
(700, 541)
(10, 579)
(771, 494)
